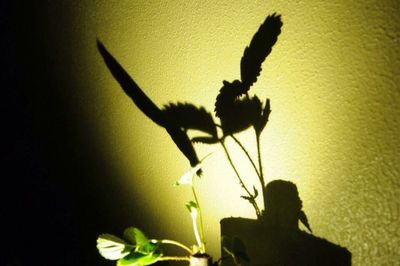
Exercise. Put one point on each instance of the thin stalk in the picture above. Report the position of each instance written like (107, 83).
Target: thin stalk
(261, 176)
(247, 154)
(173, 242)
(201, 244)
(253, 202)
(175, 258)
(196, 233)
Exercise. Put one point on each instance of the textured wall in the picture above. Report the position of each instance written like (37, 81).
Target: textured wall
(333, 80)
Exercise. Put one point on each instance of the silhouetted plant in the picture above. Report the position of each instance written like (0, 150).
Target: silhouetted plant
(235, 108)
(237, 111)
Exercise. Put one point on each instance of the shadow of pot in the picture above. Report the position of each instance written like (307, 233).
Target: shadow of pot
(271, 245)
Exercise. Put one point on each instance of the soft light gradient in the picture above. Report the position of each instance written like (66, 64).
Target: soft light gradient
(333, 79)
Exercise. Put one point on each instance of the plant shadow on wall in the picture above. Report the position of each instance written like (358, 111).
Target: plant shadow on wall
(274, 238)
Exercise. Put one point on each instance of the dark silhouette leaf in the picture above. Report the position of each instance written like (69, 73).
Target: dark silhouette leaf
(145, 104)
(255, 192)
(142, 101)
(265, 115)
(246, 198)
(240, 118)
(184, 144)
(250, 199)
(227, 95)
(188, 116)
(236, 113)
(261, 121)
(205, 140)
(228, 106)
(260, 47)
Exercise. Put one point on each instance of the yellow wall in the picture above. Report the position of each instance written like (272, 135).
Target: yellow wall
(333, 79)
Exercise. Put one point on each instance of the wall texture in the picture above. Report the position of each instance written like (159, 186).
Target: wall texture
(333, 79)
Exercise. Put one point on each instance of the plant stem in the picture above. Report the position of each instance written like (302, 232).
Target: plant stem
(261, 176)
(252, 201)
(175, 258)
(196, 233)
(247, 154)
(173, 242)
(201, 244)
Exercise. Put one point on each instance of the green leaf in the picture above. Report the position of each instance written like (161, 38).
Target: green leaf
(148, 247)
(112, 247)
(139, 237)
(193, 208)
(129, 235)
(138, 259)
